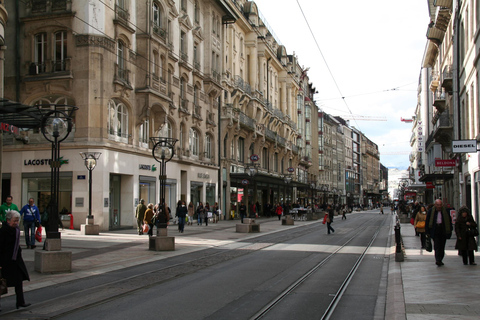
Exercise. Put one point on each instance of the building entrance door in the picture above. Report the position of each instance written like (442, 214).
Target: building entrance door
(114, 215)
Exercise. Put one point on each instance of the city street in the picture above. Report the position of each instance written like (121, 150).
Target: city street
(287, 272)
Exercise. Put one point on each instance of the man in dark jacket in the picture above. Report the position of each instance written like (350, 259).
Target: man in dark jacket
(243, 211)
(439, 227)
(330, 219)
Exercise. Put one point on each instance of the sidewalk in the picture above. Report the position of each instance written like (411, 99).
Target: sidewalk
(418, 289)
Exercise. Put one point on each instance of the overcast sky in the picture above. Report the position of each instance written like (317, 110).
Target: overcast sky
(374, 51)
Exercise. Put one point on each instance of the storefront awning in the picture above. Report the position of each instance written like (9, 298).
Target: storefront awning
(20, 115)
(432, 177)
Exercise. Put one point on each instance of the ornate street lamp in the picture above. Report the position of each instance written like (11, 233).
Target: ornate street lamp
(163, 151)
(56, 126)
(90, 159)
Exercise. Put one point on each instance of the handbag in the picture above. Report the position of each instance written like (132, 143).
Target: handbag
(428, 243)
(420, 224)
(412, 221)
(3, 285)
(146, 227)
(38, 234)
(472, 231)
(325, 219)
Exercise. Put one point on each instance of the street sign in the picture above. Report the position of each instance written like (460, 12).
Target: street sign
(464, 146)
(254, 157)
(244, 182)
(291, 169)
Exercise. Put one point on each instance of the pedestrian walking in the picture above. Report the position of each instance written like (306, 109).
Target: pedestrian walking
(6, 207)
(191, 212)
(279, 211)
(31, 220)
(439, 227)
(200, 213)
(182, 212)
(216, 213)
(420, 221)
(149, 218)
(344, 212)
(330, 219)
(466, 230)
(208, 213)
(243, 211)
(11, 261)
(381, 209)
(140, 215)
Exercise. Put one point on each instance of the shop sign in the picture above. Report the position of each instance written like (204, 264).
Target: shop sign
(445, 163)
(203, 175)
(429, 185)
(147, 167)
(43, 162)
(9, 128)
(464, 146)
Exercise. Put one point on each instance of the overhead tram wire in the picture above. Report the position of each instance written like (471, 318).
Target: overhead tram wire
(326, 64)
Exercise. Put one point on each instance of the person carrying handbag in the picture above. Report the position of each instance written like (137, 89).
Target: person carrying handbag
(31, 220)
(419, 224)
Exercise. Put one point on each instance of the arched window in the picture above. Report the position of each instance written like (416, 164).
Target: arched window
(117, 121)
(194, 142)
(208, 146)
(156, 16)
(166, 130)
(225, 144)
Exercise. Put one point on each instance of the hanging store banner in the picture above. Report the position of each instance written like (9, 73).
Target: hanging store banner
(445, 163)
(464, 146)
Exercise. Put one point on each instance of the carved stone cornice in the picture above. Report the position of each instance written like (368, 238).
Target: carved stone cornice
(87, 40)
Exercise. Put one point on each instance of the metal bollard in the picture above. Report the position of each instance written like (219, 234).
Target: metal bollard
(399, 257)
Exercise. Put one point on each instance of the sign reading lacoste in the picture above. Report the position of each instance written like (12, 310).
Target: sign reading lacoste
(464, 146)
(42, 162)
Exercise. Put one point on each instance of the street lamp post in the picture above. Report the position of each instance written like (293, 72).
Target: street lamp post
(163, 151)
(252, 170)
(287, 179)
(90, 160)
(56, 127)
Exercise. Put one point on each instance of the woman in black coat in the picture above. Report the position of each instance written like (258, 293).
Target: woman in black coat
(11, 261)
(466, 243)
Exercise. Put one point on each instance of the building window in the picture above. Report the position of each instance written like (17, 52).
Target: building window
(225, 144)
(121, 65)
(275, 162)
(241, 150)
(194, 142)
(183, 5)
(156, 15)
(118, 121)
(60, 53)
(166, 130)
(265, 158)
(156, 66)
(208, 146)
(40, 52)
(197, 12)
(143, 133)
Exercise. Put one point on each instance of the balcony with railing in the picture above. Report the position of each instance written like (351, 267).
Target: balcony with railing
(447, 78)
(56, 69)
(439, 100)
(184, 105)
(242, 85)
(159, 31)
(122, 75)
(246, 121)
(197, 111)
(41, 7)
(443, 128)
(121, 14)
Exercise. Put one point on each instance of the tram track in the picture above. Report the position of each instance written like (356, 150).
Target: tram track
(316, 268)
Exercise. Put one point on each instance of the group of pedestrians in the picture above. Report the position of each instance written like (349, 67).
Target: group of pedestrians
(150, 215)
(434, 223)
